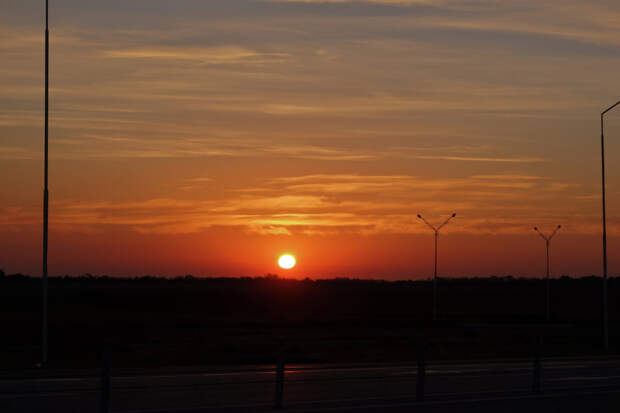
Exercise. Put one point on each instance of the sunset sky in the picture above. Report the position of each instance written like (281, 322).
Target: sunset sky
(209, 137)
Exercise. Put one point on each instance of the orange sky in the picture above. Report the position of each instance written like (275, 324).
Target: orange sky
(209, 137)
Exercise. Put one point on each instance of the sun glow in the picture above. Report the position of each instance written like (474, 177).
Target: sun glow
(286, 261)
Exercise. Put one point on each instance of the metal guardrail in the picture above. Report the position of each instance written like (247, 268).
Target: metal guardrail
(282, 376)
(278, 380)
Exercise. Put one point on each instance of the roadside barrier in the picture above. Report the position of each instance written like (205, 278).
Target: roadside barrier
(537, 383)
(278, 403)
(105, 383)
(420, 379)
(426, 381)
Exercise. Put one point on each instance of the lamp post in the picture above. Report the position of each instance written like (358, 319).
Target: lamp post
(436, 231)
(547, 241)
(605, 311)
(45, 196)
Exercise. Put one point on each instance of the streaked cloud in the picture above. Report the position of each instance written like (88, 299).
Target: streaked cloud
(479, 159)
(437, 3)
(211, 55)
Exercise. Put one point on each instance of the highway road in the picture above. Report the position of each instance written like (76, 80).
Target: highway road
(567, 385)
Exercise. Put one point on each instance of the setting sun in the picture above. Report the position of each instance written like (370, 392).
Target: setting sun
(286, 261)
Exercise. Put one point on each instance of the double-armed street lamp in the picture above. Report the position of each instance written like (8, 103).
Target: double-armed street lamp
(605, 311)
(436, 231)
(547, 241)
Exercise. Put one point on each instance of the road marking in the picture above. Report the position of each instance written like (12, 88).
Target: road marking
(433, 371)
(69, 379)
(320, 370)
(50, 393)
(61, 379)
(584, 378)
(439, 402)
(376, 406)
(174, 376)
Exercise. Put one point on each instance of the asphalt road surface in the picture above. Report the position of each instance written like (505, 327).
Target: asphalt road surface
(587, 385)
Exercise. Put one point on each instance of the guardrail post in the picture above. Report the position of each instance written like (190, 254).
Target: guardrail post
(105, 383)
(421, 377)
(537, 384)
(279, 378)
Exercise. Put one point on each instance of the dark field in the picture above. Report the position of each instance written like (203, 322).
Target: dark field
(186, 321)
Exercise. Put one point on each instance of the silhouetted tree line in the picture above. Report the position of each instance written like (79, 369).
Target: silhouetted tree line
(276, 278)
(186, 319)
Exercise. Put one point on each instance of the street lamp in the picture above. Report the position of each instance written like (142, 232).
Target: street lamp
(605, 311)
(436, 231)
(547, 241)
(45, 196)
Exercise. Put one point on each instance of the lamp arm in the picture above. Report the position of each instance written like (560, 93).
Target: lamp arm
(445, 223)
(428, 223)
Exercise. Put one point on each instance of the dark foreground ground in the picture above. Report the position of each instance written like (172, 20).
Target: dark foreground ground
(152, 322)
(577, 385)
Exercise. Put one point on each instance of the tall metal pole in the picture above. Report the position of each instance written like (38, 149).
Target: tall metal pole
(605, 332)
(45, 195)
(548, 294)
(435, 280)
(605, 310)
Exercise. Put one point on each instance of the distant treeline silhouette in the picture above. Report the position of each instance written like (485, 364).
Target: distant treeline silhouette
(276, 277)
(189, 320)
